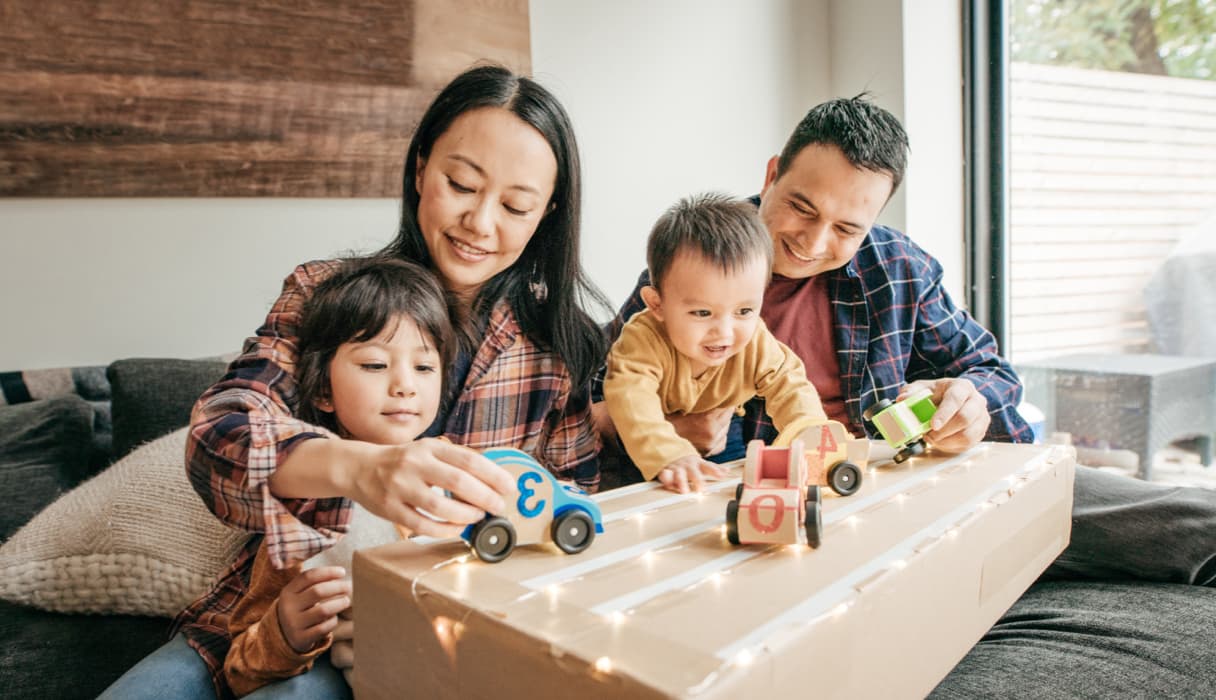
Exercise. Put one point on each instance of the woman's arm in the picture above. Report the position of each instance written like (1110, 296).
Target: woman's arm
(259, 468)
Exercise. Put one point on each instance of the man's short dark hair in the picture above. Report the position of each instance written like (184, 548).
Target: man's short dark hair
(723, 230)
(870, 137)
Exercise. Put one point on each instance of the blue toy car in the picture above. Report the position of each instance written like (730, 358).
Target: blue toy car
(544, 510)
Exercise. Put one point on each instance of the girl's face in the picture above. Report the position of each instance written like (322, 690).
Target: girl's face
(385, 390)
(482, 193)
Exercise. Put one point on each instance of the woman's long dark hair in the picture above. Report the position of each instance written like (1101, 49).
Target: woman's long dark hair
(546, 287)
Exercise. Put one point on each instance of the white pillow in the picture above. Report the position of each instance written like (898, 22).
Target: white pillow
(134, 539)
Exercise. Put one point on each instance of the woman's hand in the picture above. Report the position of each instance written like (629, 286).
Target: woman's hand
(706, 431)
(962, 417)
(396, 485)
(309, 606)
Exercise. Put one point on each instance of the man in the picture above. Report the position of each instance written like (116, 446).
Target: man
(862, 305)
(1109, 618)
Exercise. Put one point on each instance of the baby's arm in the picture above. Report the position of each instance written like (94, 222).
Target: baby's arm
(689, 473)
(781, 379)
(283, 623)
(631, 393)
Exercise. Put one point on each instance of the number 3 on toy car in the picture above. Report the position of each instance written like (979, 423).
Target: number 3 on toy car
(526, 492)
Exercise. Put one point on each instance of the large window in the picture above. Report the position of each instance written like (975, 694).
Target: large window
(1112, 223)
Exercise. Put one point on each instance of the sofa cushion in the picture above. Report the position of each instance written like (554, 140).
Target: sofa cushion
(153, 397)
(44, 451)
(1083, 639)
(52, 655)
(135, 539)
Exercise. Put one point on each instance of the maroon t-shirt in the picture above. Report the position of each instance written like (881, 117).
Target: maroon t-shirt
(799, 314)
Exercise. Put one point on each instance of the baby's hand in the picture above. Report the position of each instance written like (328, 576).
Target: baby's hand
(309, 606)
(689, 473)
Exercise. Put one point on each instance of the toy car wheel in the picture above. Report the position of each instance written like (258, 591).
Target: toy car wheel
(909, 451)
(814, 521)
(845, 478)
(493, 539)
(732, 521)
(877, 408)
(573, 531)
(739, 491)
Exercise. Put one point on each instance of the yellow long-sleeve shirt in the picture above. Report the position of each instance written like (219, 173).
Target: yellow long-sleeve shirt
(648, 379)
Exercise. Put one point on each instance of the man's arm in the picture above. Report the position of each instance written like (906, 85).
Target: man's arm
(949, 344)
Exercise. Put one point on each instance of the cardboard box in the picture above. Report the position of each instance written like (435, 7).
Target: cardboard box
(913, 569)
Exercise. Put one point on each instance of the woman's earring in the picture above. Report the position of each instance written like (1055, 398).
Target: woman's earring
(536, 283)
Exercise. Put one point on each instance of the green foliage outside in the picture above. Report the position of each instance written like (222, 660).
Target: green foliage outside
(1162, 37)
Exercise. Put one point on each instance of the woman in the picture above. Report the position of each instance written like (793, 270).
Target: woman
(491, 205)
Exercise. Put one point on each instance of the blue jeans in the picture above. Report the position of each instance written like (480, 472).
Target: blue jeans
(177, 671)
(735, 448)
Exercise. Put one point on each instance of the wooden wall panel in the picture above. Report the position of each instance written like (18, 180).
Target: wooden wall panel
(231, 97)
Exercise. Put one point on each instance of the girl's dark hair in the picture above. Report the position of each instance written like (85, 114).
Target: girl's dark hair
(546, 287)
(356, 304)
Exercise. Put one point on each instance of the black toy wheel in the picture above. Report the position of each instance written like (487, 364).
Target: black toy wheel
(732, 521)
(877, 408)
(814, 521)
(845, 478)
(739, 492)
(573, 531)
(909, 451)
(493, 539)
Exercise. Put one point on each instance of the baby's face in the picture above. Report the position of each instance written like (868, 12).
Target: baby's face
(710, 315)
(386, 390)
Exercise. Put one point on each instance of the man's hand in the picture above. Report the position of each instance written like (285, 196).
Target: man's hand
(706, 431)
(962, 415)
(689, 473)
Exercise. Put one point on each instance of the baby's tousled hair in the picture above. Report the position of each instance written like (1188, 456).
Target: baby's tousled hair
(356, 304)
(725, 231)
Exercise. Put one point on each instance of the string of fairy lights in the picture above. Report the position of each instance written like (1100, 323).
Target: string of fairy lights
(829, 603)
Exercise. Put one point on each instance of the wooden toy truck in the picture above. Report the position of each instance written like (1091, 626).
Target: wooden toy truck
(903, 424)
(544, 510)
(834, 457)
(775, 504)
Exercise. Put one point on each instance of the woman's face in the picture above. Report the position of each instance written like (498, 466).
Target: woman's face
(482, 193)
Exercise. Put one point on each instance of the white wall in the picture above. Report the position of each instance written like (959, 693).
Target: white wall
(671, 98)
(668, 98)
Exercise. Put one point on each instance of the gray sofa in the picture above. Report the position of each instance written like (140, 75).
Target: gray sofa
(1063, 639)
(57, 429)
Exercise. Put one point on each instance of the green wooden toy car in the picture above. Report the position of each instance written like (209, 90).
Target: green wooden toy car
(903, 424)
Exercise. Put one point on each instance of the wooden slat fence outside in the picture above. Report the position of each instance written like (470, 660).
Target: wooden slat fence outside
(1108, 172)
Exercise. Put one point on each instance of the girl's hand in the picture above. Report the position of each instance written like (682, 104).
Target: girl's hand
(689, 473)
(309, 606)
(397, 485)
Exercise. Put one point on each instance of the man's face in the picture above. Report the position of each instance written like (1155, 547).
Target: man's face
(820, 210)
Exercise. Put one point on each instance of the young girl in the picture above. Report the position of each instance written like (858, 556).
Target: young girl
(373, 342)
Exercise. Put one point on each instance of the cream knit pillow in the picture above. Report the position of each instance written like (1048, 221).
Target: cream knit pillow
(134, 539)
